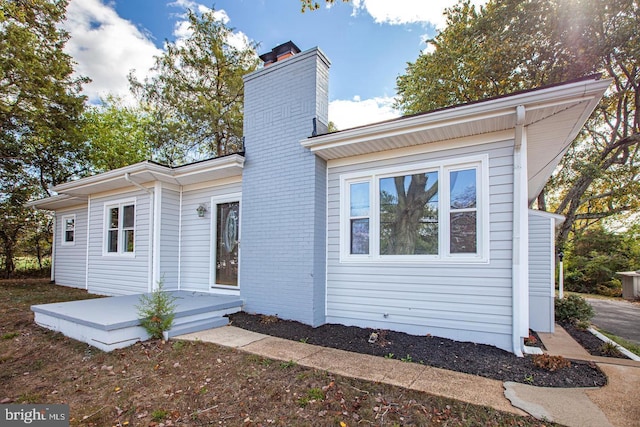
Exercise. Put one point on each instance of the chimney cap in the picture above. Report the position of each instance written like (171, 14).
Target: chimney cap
(280, 52)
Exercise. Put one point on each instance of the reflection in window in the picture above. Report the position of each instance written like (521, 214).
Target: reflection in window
(463, 211)
(69, 229)
(409, 214)
(120, 231)
(359, 211)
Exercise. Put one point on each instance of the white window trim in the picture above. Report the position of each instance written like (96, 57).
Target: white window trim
(444, 167)
(228, 198)
(63, 239)
(105, 229)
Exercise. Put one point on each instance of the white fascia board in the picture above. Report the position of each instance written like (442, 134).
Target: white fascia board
(559, 219)
(112, 175)
(57, 202)
(485, 110)
(234, 160)
(158, 172)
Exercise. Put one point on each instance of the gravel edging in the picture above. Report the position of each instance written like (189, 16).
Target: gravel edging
(476, 359)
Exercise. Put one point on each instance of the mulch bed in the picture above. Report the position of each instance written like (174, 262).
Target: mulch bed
(476, 359)
(590, 342)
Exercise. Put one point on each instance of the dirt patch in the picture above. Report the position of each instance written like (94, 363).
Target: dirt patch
(193, 383)
(477, 359)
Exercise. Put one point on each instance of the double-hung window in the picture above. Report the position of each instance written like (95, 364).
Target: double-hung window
(120, 228)
(430, 212)
(68, 229)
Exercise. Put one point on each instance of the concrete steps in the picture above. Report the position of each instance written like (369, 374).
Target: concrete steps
(195, 326)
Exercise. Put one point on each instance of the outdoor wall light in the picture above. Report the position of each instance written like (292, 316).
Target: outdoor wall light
(202, 209)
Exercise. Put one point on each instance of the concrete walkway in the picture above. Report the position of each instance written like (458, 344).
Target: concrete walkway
(613, 405)
(621, 318)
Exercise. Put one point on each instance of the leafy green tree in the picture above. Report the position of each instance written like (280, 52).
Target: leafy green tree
(116, 134)
(511, 45)
(195, 96)
(594, 257)
(314, 5)
(40, 108)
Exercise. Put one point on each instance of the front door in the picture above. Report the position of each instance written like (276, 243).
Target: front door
(226, 246)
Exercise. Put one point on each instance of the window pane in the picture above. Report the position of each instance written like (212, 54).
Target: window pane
(463, 189)
(128, 219)
(463, 232)
(360, 236)
(359, 199)
(112, 241)
(113, 217)
(409, 214)
(128, 240)
(69, 227)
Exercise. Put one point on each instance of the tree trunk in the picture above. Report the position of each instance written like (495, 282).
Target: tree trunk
(409, 212)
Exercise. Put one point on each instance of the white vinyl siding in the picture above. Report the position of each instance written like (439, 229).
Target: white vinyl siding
(70, 259)
(196, 245)
(169, 238)
(458, 300)
(541, 271)
(119, 275)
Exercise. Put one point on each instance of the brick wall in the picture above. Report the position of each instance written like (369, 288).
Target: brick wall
(283, 260)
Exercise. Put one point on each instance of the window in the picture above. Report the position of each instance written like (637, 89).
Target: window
(359, 217)
(68, 229)
(432, 212)
(463, 209)
(120, 228)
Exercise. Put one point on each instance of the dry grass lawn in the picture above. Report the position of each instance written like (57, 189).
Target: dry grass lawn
(180, 383)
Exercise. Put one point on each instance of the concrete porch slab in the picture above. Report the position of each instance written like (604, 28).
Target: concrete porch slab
(112, 322)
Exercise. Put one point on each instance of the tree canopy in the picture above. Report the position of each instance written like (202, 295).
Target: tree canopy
(116, 134)
(195, 96)
(510, 45)
(40, 109)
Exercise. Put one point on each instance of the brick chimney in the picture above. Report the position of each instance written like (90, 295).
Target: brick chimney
(282, 266)
(279, 53)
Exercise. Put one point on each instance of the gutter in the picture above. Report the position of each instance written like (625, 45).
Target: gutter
(520, 268)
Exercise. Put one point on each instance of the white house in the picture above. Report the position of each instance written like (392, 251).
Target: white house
(419, 224)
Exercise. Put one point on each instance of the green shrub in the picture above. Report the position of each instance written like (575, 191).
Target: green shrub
(157, 311)
(573, 309)
(594, 256)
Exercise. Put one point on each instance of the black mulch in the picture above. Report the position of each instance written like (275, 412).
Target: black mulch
(476, 359)
(590, 342)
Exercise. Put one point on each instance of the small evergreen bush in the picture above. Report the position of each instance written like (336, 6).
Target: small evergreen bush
(157, 311)
(573, 309)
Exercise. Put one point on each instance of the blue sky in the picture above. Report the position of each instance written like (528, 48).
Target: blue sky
(368, 42)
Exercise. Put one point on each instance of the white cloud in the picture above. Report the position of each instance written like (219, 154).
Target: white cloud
(347, 114)
(398, 12)
(106, 47)
(194, 6)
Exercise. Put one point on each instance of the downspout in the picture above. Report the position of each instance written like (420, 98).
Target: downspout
(180, 240)
(157, 221)
(53, 248)
(150, 272)
(86, 262)
(519, 272)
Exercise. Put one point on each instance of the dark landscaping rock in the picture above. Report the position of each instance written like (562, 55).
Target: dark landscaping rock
(476, 359)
